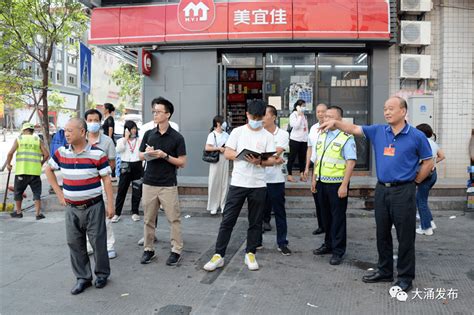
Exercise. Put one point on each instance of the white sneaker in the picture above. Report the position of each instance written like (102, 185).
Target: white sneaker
(251, 262)
(216, 262)
(115, 219)
(433, 225)
(428, 231)
(135, 217)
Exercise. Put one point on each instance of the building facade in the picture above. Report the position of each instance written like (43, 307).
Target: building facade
(211, 57)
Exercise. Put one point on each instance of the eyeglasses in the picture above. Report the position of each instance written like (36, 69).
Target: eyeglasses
(156, 112)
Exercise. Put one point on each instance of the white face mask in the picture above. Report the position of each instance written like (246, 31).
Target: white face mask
(93, 127)
(255, 124)
(224, 126)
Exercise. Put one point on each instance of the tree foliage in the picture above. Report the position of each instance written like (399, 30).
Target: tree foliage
(29, 31)
(127, 78)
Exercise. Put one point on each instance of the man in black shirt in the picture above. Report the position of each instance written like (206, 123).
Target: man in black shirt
(165, 152)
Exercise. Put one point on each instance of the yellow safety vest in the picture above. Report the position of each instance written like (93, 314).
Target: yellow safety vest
(28, 155)
(331, 166)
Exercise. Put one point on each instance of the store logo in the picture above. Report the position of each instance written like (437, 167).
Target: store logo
(196, 16)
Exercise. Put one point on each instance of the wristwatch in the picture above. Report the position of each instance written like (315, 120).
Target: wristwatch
(167, 157)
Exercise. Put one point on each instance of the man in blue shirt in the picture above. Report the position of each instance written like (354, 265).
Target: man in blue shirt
(335, 161)
(399, 148)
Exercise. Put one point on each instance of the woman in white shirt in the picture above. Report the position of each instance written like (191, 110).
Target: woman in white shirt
(131, 168)
(427, 224)
(218, 172)
(298, 139)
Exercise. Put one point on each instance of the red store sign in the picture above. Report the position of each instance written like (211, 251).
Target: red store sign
(210, 21)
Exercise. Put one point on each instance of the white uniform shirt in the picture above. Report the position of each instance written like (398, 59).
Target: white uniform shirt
(220, 139)
(129, 150)
(313, 139)
(299, 123)
(245, 174)
(274, 174)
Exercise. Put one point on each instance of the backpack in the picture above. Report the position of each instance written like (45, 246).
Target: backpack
(59, 140)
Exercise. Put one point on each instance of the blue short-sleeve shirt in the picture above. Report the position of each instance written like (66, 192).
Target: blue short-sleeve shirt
(410, 145)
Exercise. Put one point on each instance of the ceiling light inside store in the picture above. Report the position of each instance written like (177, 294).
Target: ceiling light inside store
(361, 58)
(351, 67)
(226, 60)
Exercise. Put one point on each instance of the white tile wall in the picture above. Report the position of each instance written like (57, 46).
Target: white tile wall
(452, 65)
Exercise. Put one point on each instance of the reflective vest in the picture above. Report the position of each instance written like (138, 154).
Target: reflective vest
(28, 155)
(330, 165)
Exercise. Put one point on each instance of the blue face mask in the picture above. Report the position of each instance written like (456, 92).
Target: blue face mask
(93, 127)
(255, 124)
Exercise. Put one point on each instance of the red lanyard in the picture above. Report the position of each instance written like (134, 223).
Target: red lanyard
(134, 146)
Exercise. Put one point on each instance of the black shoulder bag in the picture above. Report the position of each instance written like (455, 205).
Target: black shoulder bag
(211, 156)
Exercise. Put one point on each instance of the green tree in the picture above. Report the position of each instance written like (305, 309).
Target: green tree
(30, 29)
(127, 78)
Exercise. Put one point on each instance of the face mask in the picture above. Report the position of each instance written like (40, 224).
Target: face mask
(93, 127)
(255, 124)
(224, 125)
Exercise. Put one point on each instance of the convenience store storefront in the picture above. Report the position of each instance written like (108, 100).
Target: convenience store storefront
(211, 57)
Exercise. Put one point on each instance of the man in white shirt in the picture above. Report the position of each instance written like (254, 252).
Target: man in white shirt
(275, 179)
(311, 158)
(248, 182)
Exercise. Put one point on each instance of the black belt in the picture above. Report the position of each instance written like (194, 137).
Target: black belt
(395, 184)
(87, 204)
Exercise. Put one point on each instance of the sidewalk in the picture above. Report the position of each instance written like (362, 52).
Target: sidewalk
(36, 275)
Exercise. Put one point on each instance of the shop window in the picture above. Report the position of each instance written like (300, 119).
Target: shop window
(343, 81)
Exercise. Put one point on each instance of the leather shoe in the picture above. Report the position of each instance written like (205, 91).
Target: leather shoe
(100, 282)
(318, 231)
(376, 277)
(80, 286)
(404, 285)
(335, 260)
(323, 250)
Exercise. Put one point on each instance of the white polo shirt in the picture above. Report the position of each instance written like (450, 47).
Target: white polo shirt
(313, 139)
(274, 174)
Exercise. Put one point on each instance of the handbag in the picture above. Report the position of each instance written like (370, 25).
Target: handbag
(211, 156)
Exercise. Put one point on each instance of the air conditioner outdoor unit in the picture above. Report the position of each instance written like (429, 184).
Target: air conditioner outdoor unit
(415, 6)
(415, 33)
(415, 66)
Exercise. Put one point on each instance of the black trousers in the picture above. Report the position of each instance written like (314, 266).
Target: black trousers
(90, 221)
(318, 210)
(136, 172)
(276, 201)
(397, 206)
(235, 200)
(297, 149)
(333, 211)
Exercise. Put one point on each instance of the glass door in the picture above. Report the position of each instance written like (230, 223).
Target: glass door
(242, 82)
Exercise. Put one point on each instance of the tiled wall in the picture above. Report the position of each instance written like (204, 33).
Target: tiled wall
(452, 84)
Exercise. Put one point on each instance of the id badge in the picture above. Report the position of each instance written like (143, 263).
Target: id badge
(389, 151)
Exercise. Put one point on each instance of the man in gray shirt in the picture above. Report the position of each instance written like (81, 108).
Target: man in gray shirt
(103, 142)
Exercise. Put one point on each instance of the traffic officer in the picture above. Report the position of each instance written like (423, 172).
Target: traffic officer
(31, 154)
(398, 148)
(336, 158)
